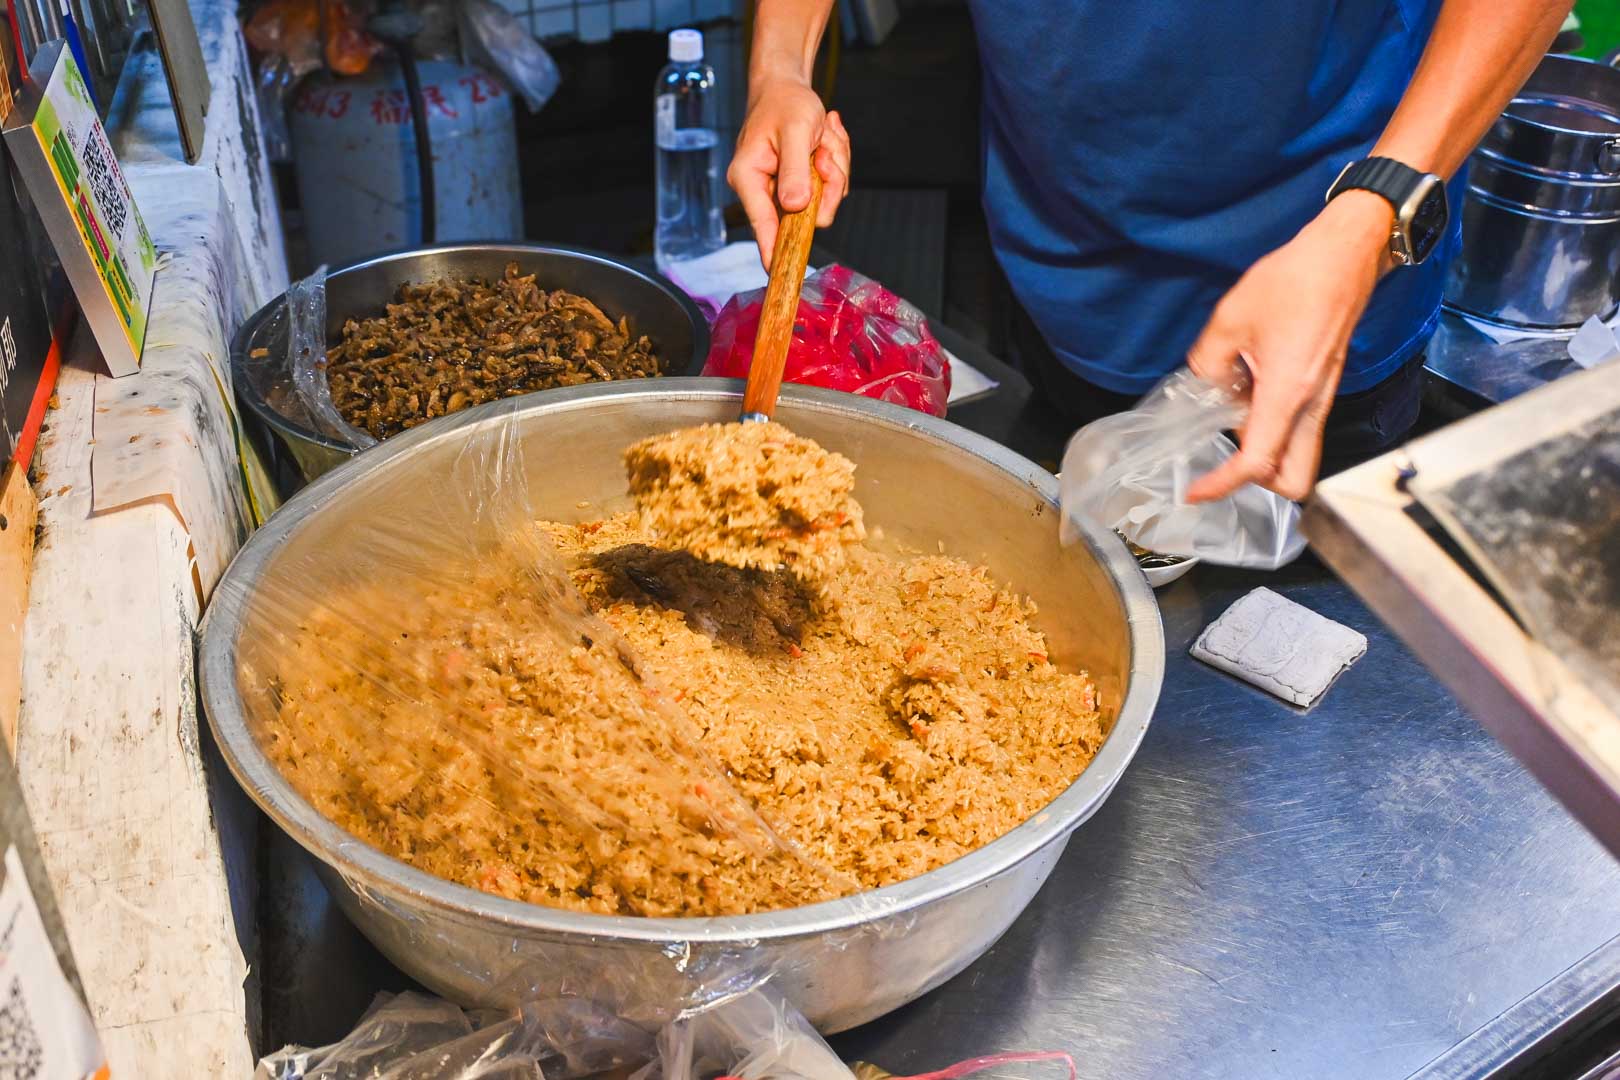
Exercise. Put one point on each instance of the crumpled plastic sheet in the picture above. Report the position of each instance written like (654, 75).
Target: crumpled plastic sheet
(291, 376)
(851, 334)
(754, 1036)
(1130, 473)
(306, 360)
(494, 38)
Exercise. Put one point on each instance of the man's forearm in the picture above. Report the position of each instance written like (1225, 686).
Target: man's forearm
(1478, 56)
(787, 34)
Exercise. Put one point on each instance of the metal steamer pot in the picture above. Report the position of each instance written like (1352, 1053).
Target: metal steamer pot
(653, 305)
(844, 962)
(1541, 222)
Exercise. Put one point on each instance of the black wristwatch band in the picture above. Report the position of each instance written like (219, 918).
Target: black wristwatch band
(1381, 175)
(1418, 198)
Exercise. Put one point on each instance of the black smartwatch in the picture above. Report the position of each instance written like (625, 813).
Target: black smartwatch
(1419, 200)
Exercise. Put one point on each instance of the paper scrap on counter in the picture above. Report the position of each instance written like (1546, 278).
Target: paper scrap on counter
(712, 279)
(1500, 334)
(1282, 647)
(168, 436)
(967, 381)
(1596, 342)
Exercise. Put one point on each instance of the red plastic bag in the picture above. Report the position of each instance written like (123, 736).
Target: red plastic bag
(852, 334)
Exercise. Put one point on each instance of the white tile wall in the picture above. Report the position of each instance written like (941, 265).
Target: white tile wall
(598, 20)
(595, 21)
(632, 15)
(552, 22)
(717, 9)
(668, 14)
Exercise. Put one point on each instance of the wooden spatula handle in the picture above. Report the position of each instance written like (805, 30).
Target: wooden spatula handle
(776, 317)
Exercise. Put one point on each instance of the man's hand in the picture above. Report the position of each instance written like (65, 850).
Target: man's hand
(1289, 319)
(785, 125)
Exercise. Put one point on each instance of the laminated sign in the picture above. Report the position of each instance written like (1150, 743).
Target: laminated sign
(67, 164)
(45, 1030)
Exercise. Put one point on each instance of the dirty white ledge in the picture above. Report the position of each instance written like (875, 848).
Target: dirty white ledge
(149, 845)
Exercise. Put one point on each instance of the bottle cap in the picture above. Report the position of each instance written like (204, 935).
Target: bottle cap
(685, 46)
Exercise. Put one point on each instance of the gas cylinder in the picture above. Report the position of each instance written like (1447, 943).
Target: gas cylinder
(354, 150)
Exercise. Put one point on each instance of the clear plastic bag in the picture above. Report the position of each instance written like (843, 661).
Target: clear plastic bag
(306, 361)
(273, 81)
(852, 334)
(493, 38)
(440, 36)
(1130, 472)
(753, 1036)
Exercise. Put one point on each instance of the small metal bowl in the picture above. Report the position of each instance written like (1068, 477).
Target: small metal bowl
(1160, 570)
(654, 306)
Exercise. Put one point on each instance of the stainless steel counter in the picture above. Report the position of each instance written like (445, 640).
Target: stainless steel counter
(1469, 371)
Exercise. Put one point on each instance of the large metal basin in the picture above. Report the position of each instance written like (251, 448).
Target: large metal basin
(653, 305)
(924, 481)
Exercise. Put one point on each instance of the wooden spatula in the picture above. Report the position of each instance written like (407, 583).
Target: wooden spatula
(698, 488)
(789, 258)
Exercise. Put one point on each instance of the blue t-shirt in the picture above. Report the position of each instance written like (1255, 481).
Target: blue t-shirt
(1141, 154)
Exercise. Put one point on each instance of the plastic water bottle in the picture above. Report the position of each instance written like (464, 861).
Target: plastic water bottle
(687, 154)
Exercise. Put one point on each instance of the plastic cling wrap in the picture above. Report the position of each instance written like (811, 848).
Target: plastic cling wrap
(852, 334)
(409, 690)
(421, 669)
(290, 371)
(1130, 472)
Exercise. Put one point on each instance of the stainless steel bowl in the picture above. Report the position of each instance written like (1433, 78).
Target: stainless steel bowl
(924, 482)
(654, 306)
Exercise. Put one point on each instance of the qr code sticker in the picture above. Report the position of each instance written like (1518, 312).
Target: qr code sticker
(22, 1057)
(106, 182)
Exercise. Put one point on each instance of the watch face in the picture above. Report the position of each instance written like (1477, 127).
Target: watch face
(1429, 221)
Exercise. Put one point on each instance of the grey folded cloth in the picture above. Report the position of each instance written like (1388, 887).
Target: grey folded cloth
(1279, 646)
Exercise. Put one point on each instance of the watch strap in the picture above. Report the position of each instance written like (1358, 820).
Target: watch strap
(1404, 188)
(1382, 176)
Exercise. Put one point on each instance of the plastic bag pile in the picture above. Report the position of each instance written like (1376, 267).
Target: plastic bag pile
(1130, 473)
(755, 1036)
(851, 334)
